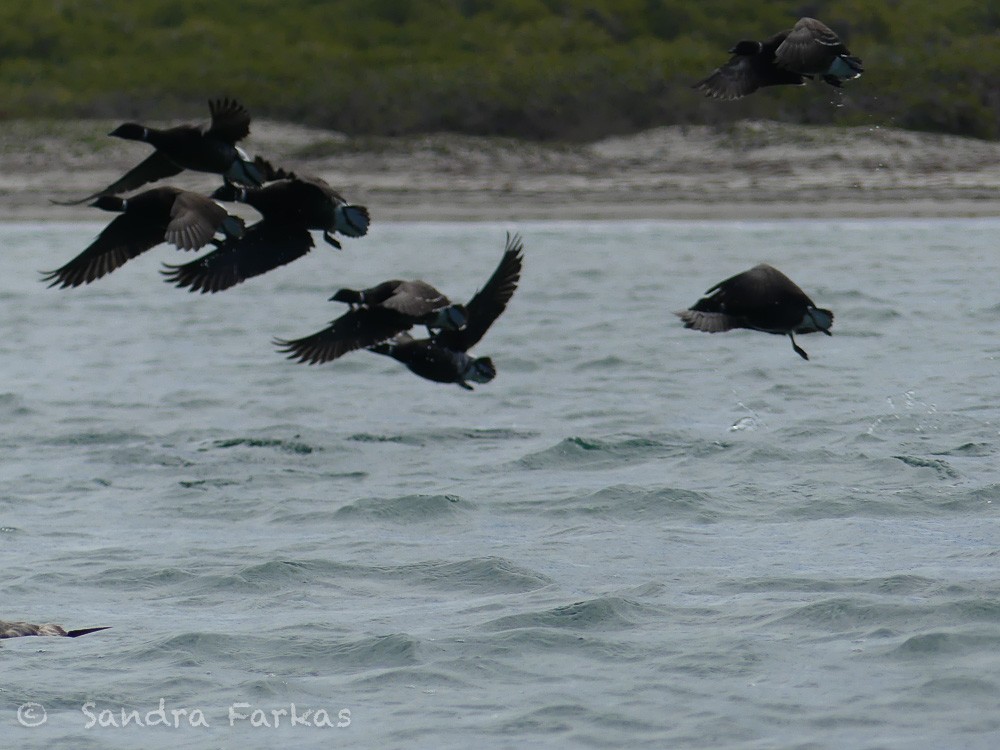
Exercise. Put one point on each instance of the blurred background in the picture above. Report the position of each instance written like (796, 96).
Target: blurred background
(555, 70)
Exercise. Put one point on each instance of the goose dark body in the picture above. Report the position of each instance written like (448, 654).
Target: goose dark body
(761, 299)
(432, 361)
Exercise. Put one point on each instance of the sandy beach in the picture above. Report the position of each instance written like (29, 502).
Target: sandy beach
(741, 171)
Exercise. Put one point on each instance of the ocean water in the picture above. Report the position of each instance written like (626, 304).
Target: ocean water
(636, 536)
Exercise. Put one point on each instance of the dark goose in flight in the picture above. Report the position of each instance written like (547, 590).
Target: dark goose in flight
(444, 357)
(290, 206)
(162, 214)
(808, 49)
(210, 148)
(308, 201)
(376, 314)
(761, 299)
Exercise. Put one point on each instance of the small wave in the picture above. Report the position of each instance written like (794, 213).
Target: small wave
(562, 719)
(942, 642)
(604, 613)
(117, 437)
(419, 677)
(940, 467)
(463, 434)
(12, 405)
(902, 584)
(379, 652)
(288, 446)
(367, 437)
(208, 484)
(969, 450)
(456, 434)
(843, 614)
(137, 578)
(957, 686)
(603, 364)
(597, 454)
(629, 501)
(486, 575)
(407, 508)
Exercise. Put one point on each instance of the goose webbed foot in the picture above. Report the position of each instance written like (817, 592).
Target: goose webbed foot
(331, 239)
(798, 349)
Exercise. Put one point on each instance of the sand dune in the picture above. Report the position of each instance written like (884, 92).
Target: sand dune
(745, 170)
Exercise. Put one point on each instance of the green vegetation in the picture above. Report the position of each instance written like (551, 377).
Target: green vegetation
(548, 69)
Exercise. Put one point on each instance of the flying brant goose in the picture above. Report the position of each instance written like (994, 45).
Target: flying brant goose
(376, 314)
(808, 49)
(432, 361)
(761, 299)
(443, 358)
(19, 629)
(210, 148)
(304, 200)
(162, 214)
(290, 206)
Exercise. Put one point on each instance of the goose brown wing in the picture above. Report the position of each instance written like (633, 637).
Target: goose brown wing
(155, 167)
(415, 299)
(262, 248)
(709, 322)
(19, 629)
(230, 120)
(126, 237)
(490, 301)
(356, 329)
(194, 219)
(809, 48)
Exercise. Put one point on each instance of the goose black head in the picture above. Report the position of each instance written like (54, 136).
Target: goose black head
(131, 131)
(746, 47)
(481, 370)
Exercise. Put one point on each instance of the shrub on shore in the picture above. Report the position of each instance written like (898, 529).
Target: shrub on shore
(543, 69)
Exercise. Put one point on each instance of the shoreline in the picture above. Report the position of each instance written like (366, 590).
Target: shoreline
(747, 170)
